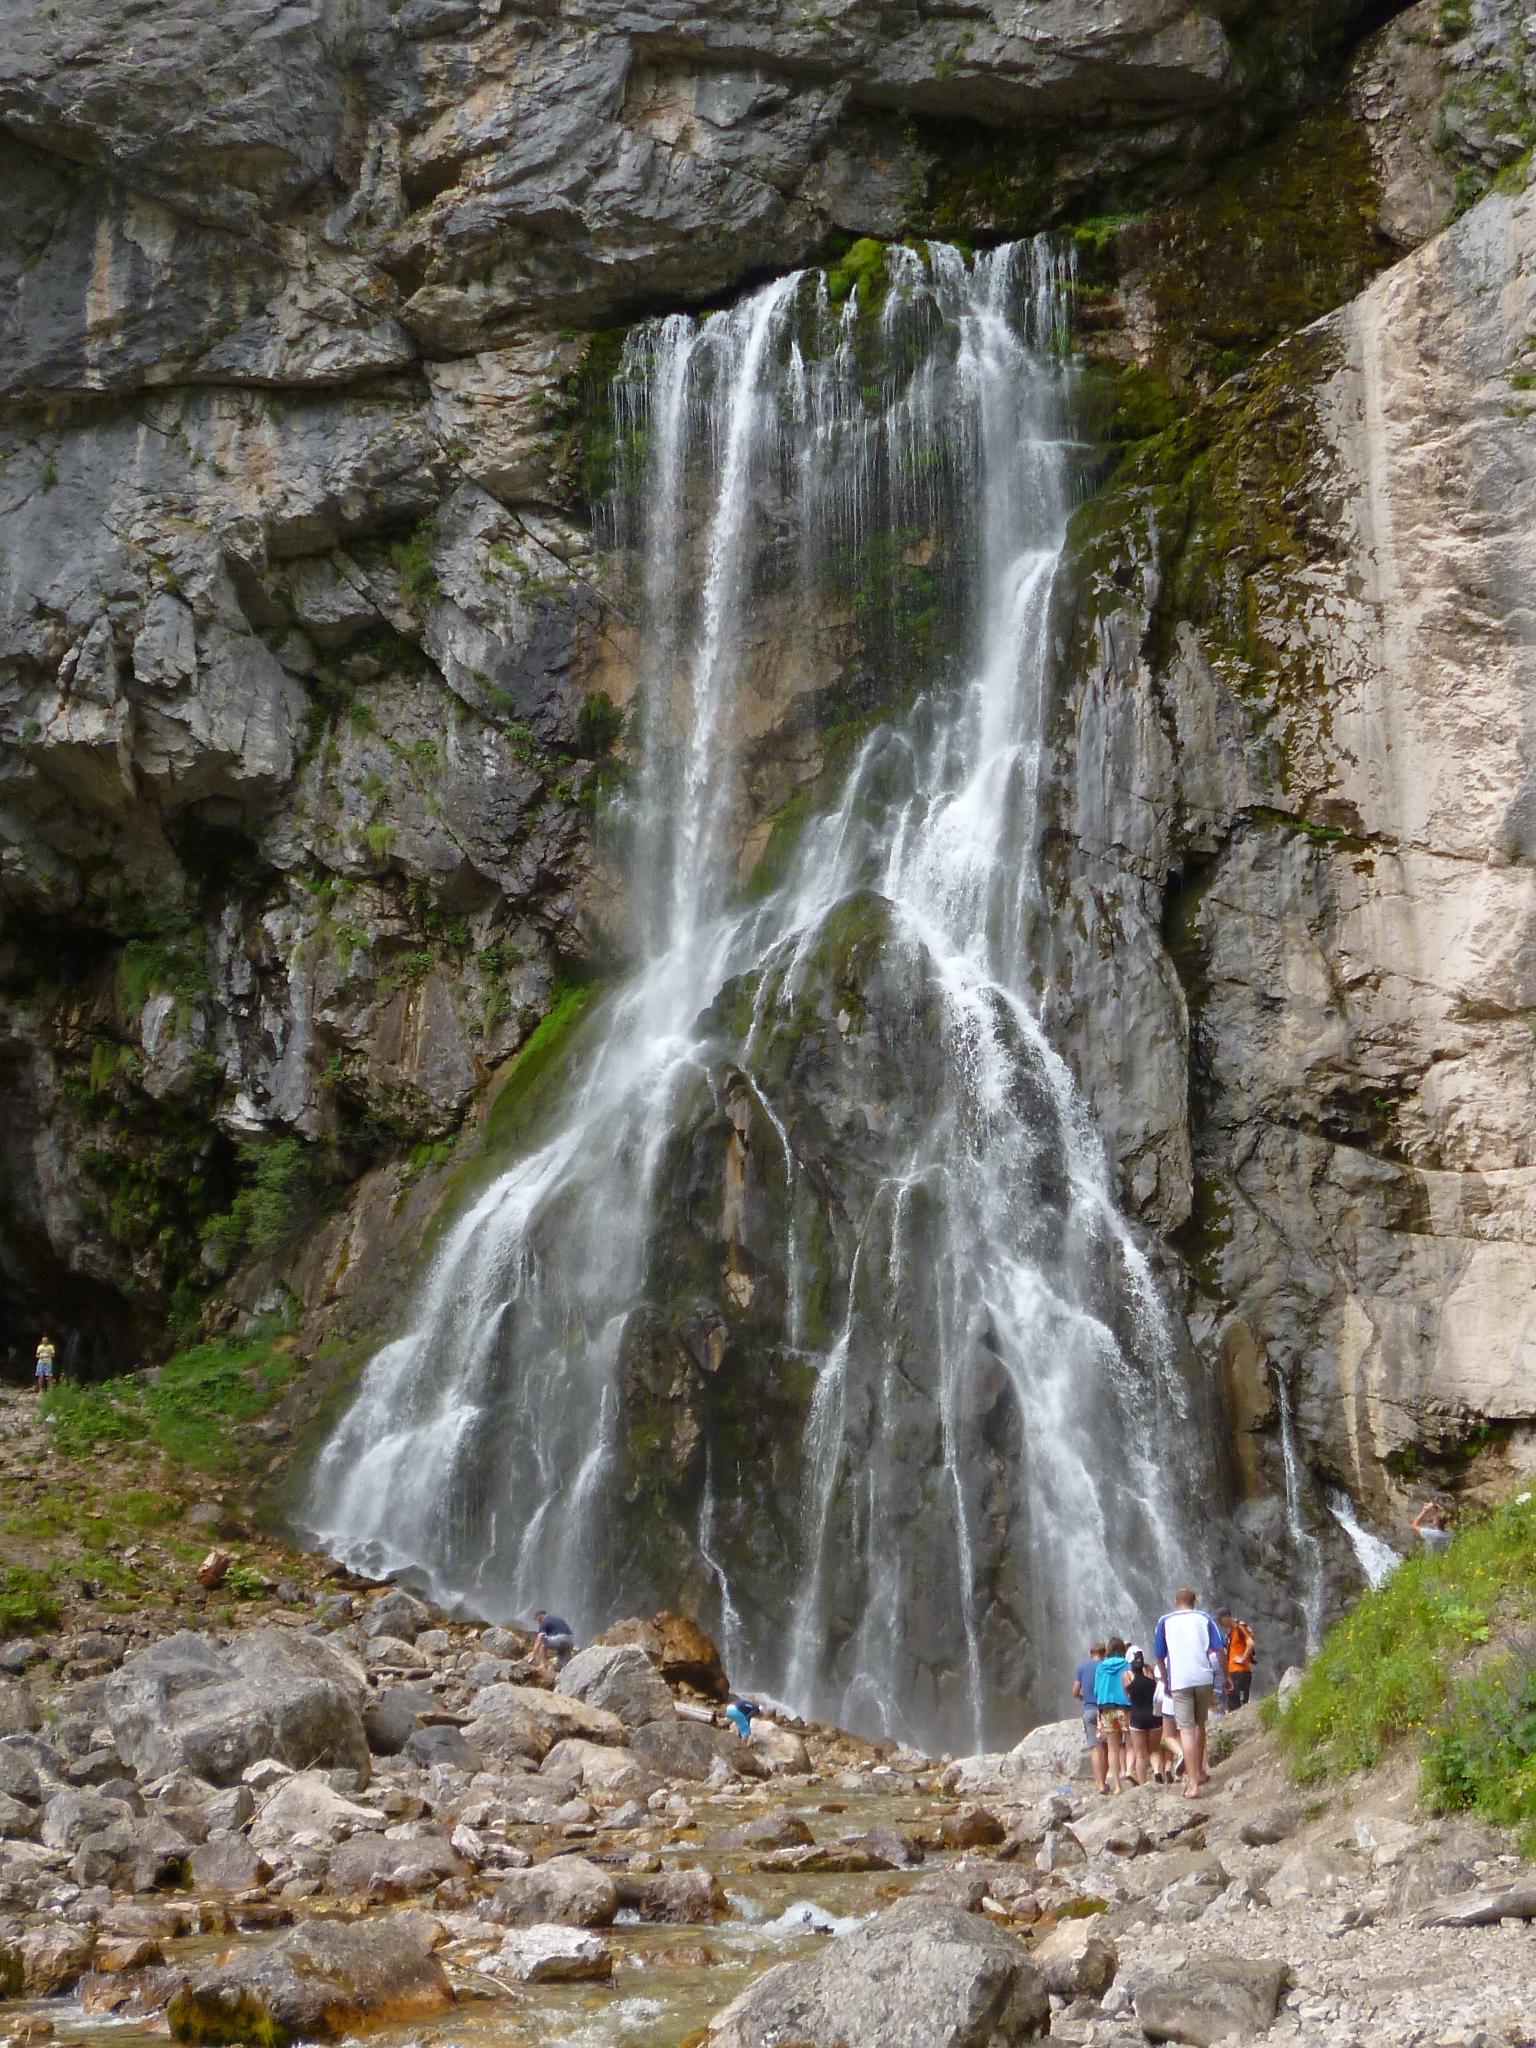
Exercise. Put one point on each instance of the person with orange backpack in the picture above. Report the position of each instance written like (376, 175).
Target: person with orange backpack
(1240, 1648)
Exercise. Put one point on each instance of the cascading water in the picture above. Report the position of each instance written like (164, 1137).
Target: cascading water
(1377, 1559)
(812, 1304)
(1305, 1547)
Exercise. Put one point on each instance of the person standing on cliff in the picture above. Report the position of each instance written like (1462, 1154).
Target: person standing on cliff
(1187, 1647)
(1083, 1693)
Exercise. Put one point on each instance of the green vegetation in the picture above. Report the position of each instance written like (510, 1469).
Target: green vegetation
(598, 725)
(185, 1408)
(280, 1194)
(412, 562)
(28, 1603)
(1419, 1657)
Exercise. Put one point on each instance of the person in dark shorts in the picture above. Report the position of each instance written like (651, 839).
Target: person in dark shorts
(554, 1642)
(1082, 1691)
(1240, 1648)
(1146, 1716)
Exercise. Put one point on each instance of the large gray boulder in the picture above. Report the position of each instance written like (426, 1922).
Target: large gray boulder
(1210, 1998)
(320, 1982)
(620, 1677)
(183, 1705)
(921, 1976)
(687, 1749)
(567, 1892)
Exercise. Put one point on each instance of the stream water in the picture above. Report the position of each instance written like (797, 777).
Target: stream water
(992, 1444)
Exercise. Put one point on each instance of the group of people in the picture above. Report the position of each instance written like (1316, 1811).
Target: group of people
(1147, 1719)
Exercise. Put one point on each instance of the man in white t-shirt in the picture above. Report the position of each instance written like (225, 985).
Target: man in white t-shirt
(1187, 1645)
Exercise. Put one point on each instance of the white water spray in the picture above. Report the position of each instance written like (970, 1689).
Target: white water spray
(968, 1349)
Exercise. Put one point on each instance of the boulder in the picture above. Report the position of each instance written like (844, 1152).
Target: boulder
(18, 1776)
(781, 1749)
(442, 1744)
(18, 1710)
(679, 1649)
(389, 1717)
(1060, 1850)
(1077, 1959)
(973, 1827)
(54, 1958)
(19, 1821)
(568, 1890)
(1290, 1684)
(70, 1816)
(394, 1653)
(1210, 1998)
(182, 1704)
(681, 1898)
(769, 1831)
(307, 1804)
(394, 1868)
(551, 1954)
(320, 1982)
(1481, 1908)
(553, 1714)
(621, 1678)
(608, 1773)
(923, 1975)
(1267, 1825)
(139, 1854)
(687, 1749)
(227, 1863)
(396, 1613)
(1055, 1749)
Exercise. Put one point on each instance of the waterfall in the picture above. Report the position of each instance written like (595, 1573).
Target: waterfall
(901, 1406)
(1378, 1560)
(1305, 1547)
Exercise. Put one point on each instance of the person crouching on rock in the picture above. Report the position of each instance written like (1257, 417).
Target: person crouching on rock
(554, 1642)
(739, 1713)
(1114, 1713)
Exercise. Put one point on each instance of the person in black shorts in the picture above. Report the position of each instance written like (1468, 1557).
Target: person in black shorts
(1146, 1721)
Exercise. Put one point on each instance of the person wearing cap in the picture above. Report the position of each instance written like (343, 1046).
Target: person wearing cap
(1146, 1727)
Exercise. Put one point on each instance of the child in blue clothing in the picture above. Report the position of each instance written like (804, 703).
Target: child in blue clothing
(1114, 1711)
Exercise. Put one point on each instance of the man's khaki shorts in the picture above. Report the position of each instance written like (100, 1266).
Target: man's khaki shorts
(1191, 1705)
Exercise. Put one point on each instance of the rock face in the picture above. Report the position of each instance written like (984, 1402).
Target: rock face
(183, 1705)
(1292, 811)
(920, 1976)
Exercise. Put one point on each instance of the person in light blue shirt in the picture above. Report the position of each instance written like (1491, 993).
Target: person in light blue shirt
(1114, 1709)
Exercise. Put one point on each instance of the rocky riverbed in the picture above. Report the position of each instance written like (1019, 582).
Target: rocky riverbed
(363, 1816)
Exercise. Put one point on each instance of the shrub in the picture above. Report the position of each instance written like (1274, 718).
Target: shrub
(1481, 1753)
(598, 725)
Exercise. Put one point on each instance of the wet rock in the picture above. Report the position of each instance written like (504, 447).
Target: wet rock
(686, 1749)
(679, 1898)
(1269, 1824)
(552, 1954)
(1210, 1998)
(768, 1831)
(320, 1982)
(227, 1863)
(1077, 1959)
(842, 1857)
(394, 1868)
(139, 1854)
(568, 1891)
(890, 1845)
(54, 1958)
(920, 1976)
(620, 1678)
(184, 1705)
